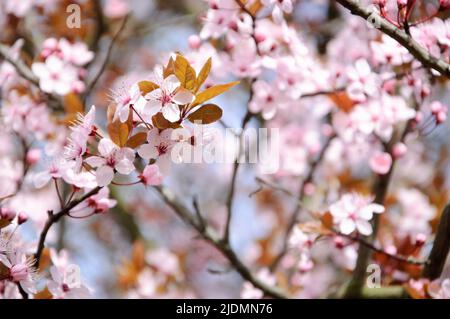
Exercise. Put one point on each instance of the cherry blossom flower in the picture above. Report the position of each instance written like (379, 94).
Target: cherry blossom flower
(278, 8)
(168, 96)
(265, 100)
(116, 8)
(353, 212)
(62, 285)
(159, 148)
(76, 53)
(95, 204)
(125, 99)
(151, 175)
(56, 169)
(111, 159)
(20, 269)
(363, 82)
(55, 76)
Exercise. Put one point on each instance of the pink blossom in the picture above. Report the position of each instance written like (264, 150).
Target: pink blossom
(159, 147)
(363, 83)
(381, 163)
(353, 212)
(168, 96)
(151, 175)
(55, 76)
(116, 8)
(63, 283)
(96, 204)
(278, 8)
(111, 159)
(20, 269)
(265, 100)
(125, 99)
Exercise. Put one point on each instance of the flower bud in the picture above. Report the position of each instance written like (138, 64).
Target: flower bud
(22, 218)
(399, 150)
(18, 272)
(7, 214)
(194, 41)
(421, 239)
(33, 156)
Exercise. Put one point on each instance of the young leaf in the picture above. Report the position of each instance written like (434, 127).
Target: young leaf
(211, 92)
(137, 140)
(185, 73)
(147, 86)
(162, 123)
(169, 69)
(208, 113)
(119, 132)
(203, 75)
(72, 105)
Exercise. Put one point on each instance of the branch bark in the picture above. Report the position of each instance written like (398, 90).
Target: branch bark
(54, 218)
(420, 53)
(210, 236)
(441, 247)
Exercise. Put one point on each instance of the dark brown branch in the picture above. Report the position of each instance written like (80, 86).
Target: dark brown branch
(210, 236)
(441, 247)
(421, 54)
(54, 218)
(22, 69)
(399, 258)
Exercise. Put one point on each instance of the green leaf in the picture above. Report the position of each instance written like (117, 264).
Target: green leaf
(207, 114)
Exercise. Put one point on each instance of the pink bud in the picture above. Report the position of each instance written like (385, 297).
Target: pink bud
(441, 117)
(33, 156)
(151, 175)
(260, 37)
(339, 242)
(444, 4)
(7, 214)
(381, 163)
(402, 3)
(421, 239)
(18, 272)
(399, 150)
(22, 218)
(194, 41)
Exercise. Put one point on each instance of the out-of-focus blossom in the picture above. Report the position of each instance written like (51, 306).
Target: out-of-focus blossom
(353, 212)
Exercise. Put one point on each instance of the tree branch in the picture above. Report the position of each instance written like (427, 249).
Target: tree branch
(22, 69)
(210, 235)
(54, 218)
(93, 82)
(441, 247)
(421, 54)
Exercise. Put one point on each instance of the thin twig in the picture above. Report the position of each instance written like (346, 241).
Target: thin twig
(210, 235)
(54, 218)
(102, 69)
